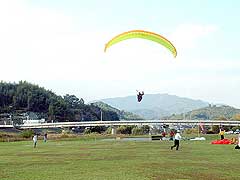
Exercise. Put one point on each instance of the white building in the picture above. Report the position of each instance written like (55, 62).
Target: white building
(33, 121)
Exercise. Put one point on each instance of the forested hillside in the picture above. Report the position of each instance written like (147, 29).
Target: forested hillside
(17, 100)
(122, 114)
(222, 112)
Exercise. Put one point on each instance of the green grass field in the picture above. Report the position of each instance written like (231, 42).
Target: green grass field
(96, 159)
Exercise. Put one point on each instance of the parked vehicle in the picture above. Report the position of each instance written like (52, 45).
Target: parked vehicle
(237, 131)
(229, 132)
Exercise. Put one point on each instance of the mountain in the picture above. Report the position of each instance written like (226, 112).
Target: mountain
(221, 112)
(155, 106)
(121, 114)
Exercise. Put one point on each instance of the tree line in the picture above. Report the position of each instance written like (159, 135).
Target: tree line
(222, 112)
(24, 97)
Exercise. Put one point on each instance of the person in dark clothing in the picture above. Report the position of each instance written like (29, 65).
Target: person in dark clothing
(45, 137)
(139, 96)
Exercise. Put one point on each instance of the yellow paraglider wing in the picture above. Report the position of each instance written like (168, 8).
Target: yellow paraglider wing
(144, 35)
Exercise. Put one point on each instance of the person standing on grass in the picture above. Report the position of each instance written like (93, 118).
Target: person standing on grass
(35, 141)
(171, 135)
(222, 133)
(238, 145)
(176, 140)
(163, 134)
(45, 137)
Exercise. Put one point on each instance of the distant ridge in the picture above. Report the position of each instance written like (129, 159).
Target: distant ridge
(156, 106)
(219, 112)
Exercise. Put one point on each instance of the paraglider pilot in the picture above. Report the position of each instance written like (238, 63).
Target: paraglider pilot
(139, 96)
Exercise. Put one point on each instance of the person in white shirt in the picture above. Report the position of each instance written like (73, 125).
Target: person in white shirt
(35, 140)
(176, 140)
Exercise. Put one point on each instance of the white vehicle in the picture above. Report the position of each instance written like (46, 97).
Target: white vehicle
(229, 132)
(237, 131)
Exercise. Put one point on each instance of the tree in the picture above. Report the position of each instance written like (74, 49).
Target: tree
(73, 102)
(23, 97)
(50, 112)
(236, 117)
(215, 129)
(124, 129)
(222, 118)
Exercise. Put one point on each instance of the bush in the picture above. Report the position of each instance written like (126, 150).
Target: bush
(235, 128)
(64, 136)
(210, 132)
(98, 129)
(146, 129)
(108, 131)
(27, 133)
(124, 130)
(227, 128)
(137, 131)
(66, 131)
(191, 131)
(87, 131)
(215, 129)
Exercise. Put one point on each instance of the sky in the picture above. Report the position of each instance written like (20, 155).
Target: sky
(59, 45)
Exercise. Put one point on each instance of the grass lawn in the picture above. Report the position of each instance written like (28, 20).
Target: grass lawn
(96, 159)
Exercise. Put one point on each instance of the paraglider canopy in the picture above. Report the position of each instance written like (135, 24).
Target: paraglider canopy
(143, 35)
